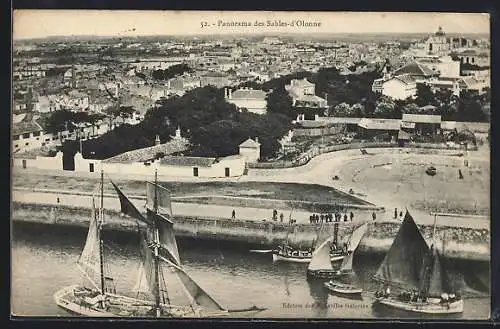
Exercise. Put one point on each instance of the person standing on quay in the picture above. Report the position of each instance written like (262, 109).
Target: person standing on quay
(281, 217)
(352, 215)
(374, 215)
(233, 215)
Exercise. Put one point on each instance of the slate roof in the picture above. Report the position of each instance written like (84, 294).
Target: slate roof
(148, 153)
(405, 78)
(248, 94)
(188, 161)
(415, 68)
(27, 124)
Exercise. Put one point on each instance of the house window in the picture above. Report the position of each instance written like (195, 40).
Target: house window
(16, 137)
(43, 144)
(24, 164)
(47, 139)
(195, 171)
(26, 135)
(38, 138)
(227, 172)
(26, 144)
(91, 167)
(16, 146)
(36, 133)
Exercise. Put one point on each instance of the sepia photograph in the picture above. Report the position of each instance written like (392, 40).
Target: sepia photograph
(257, 164)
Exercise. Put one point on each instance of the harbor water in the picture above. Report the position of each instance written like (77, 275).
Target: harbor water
(44, 260)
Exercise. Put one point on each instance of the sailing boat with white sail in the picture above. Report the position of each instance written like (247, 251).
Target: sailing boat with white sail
(159, 257)
(418, 273)
(346, 269)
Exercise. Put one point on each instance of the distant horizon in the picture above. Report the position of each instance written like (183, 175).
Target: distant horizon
(238, 35)
(43, 24)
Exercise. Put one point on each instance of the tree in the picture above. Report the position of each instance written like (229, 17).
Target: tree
(344, 110)
(384, 109)
(424, 95)
(278, 101)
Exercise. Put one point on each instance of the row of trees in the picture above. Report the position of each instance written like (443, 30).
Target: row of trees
(214, 127)
(171, 72)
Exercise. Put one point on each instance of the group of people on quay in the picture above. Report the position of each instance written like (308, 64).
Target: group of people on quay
(329, 218)
(314, 218)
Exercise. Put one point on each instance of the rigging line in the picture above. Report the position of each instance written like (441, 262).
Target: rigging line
(162, 280)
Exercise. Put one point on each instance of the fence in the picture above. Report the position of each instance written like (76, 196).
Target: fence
(305, 157)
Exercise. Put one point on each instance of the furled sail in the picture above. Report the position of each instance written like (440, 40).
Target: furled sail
(321, 257)
(404, 261)
(89, 260)
(145, 275)
(356, 237)
(162, 195)
(127, 207)
(168, 244)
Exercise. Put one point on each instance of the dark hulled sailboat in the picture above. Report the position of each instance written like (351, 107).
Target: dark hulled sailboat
(416, 274)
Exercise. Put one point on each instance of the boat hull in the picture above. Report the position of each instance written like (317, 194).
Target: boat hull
(321, 274)
(131, 307)
(421, 307)
(293, 259)
(343, 289)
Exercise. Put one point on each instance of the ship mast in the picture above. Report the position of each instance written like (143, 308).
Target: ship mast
(99, 229)
(156, 258)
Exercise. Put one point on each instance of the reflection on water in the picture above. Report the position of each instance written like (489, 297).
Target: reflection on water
(44, 259)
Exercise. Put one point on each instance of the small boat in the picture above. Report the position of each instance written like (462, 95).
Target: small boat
(343, 288)
(302, 256)
(97, 297)
(320, 266)
(261, 251)
(418, 272)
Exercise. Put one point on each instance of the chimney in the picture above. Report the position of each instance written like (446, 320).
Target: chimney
(257, 139)
(157, 140)
(230, 93)
(225, 93)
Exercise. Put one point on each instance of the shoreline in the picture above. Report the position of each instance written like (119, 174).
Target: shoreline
(455, 242)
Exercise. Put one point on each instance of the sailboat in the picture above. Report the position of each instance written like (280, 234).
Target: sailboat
(159, 255)
(418, 273)
(288, 254)
(346, 269)
(320, 266)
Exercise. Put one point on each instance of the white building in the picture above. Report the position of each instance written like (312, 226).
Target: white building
(250, 150)
(253, 100)
(398, 87)
(302, 93)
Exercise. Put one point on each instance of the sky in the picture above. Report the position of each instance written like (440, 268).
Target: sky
(43, 23)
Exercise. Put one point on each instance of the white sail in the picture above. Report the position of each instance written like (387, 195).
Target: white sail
(353, 244)
(321, 257)
(89, 260)
(141, 284)
(356, 237)
(347, 263)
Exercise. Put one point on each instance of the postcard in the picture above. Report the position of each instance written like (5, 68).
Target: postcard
(218, 164)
